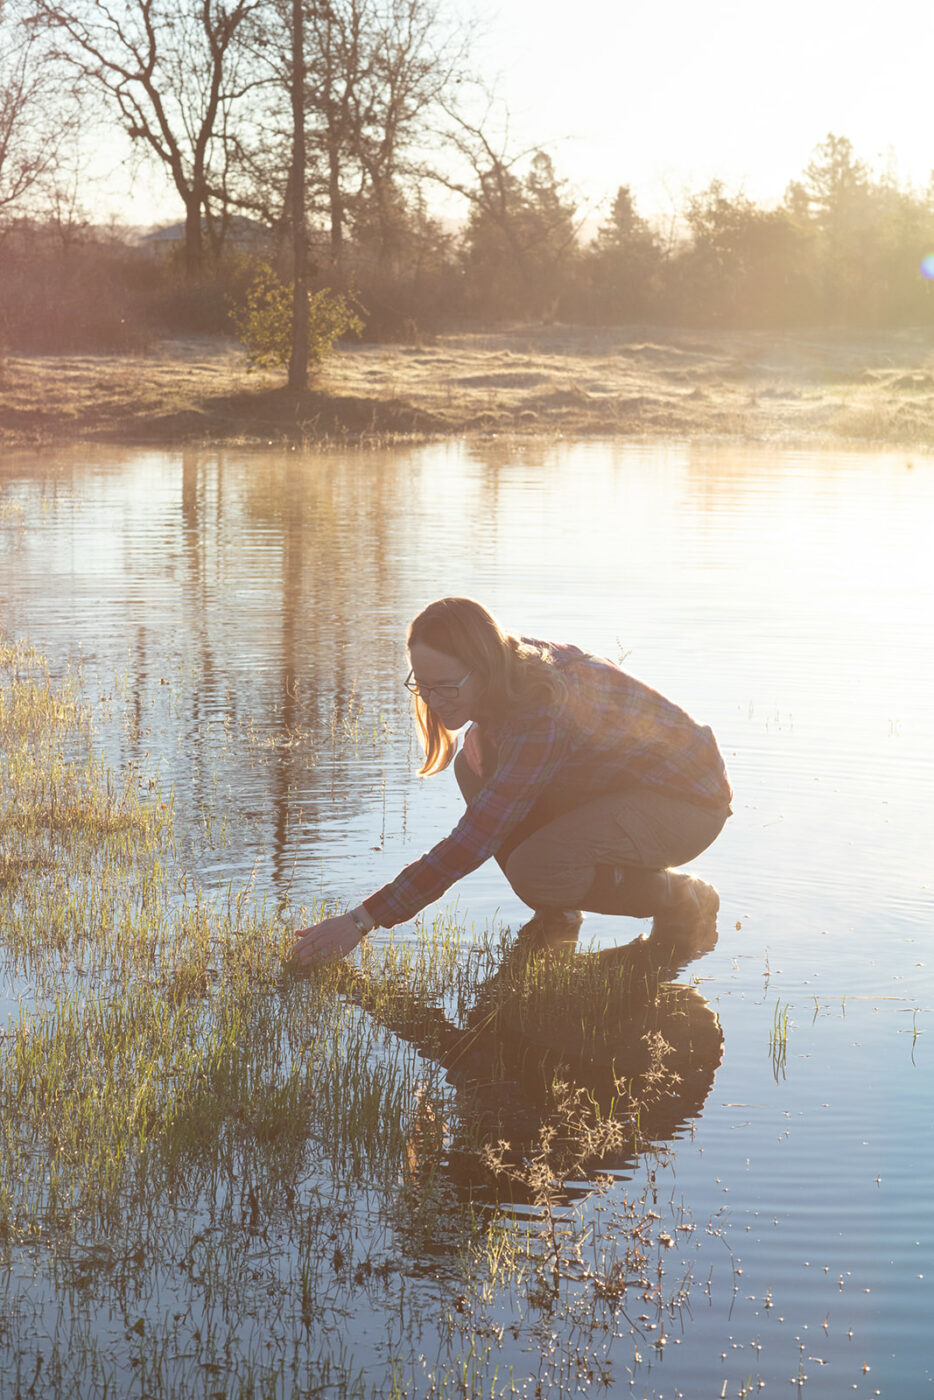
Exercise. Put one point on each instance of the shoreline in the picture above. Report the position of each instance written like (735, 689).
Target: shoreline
(790, 387)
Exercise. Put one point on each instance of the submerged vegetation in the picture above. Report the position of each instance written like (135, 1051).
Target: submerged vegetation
(468, 1163)
(208, 1166)
(441, 1170)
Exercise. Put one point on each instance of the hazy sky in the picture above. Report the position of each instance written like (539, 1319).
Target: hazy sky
(665, 96)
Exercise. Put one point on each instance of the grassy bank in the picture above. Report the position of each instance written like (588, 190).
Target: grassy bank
(218, 1180)
(793, 387)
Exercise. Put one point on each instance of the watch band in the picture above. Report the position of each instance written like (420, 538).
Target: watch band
(358, 920)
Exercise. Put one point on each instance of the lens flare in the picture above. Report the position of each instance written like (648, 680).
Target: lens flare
(927, 267)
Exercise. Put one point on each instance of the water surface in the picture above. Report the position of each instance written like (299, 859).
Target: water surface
(249, 604)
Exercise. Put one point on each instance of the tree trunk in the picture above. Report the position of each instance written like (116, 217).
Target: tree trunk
(335, 200)
(298, 363)
(193, 240)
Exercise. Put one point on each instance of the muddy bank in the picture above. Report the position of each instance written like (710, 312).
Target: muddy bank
(793, 387)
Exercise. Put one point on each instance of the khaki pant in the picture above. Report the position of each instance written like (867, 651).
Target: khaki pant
(602, 853)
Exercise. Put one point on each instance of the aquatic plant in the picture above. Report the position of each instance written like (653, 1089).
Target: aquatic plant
(778, 1039)
(204, 1162)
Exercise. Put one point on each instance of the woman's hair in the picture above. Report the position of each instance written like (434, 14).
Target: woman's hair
(512, 673)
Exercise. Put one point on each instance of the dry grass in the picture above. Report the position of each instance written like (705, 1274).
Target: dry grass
(641, 381)
(157, 396)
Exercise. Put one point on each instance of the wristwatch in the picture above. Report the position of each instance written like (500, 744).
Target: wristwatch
(359, 921)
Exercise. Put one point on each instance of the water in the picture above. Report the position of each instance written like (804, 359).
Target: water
(246, 603)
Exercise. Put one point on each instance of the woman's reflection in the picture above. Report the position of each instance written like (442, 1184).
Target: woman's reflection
(614, 1027)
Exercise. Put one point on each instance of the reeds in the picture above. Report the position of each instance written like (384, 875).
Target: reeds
(778, 1039)
(205, 1163)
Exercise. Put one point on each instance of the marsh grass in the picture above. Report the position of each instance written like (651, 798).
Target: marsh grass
(581, 381)
(778, 1039)
(557, 1230)
(212, 1173)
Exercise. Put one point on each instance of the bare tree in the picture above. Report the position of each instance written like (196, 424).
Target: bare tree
(521, 232)
(176, 72)
(35, 120)
(415, 61)
(375, 71)
(340, 63)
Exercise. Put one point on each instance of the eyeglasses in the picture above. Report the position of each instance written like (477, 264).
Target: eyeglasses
(441, 692)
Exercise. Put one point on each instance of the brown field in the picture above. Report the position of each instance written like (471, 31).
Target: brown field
(790, 387)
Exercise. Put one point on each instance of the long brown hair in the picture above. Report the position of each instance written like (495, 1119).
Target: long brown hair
(513, 674)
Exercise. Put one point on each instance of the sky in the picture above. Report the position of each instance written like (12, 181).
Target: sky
(668, 96)
(665, 97)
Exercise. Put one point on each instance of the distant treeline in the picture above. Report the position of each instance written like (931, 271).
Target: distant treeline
(843, 248)
(348, 118)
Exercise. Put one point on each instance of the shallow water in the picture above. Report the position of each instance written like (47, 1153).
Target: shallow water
(248, 603)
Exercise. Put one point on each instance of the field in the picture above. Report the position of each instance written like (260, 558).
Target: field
(789, 387)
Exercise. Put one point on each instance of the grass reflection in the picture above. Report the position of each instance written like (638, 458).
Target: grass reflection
(213, 1178)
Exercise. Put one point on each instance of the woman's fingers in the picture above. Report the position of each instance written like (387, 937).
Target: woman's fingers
(332, 938)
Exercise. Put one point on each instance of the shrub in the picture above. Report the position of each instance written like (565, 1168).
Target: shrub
(56, 304)
(179, 304)
(264, 322)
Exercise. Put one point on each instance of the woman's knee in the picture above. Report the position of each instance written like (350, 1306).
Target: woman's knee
(521, 874)
(541, 880)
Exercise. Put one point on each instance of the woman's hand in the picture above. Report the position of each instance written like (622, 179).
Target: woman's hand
(332, 938)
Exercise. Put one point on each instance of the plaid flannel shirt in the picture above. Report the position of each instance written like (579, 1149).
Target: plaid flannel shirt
(609, 731)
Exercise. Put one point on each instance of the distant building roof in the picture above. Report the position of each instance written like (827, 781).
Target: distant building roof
(240, 229)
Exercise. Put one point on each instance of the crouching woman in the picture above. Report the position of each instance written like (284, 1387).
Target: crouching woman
(585, 785)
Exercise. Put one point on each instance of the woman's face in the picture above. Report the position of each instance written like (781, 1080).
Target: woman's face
(457, 704)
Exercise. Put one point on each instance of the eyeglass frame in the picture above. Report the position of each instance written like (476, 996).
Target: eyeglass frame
(423, 691)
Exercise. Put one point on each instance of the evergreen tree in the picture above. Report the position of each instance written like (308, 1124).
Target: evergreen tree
(520, 241)
(622, 265)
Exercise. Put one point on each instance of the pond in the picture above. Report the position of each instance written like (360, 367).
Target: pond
(242, 605)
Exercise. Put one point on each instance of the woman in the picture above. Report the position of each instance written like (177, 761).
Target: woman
(585, 784)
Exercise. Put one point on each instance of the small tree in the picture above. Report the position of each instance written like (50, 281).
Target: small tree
(520, 238)
(839, 195)
(744, 266)
(264, 322)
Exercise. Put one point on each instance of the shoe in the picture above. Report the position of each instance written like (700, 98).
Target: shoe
(691, 903)
(551, 928)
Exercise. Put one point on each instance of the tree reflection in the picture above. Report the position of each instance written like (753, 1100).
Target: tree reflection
(279, 610)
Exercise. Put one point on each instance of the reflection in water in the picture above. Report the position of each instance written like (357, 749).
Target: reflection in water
(237, 601)
(243, 599)
(240, 616)
(614, 1026)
